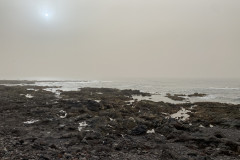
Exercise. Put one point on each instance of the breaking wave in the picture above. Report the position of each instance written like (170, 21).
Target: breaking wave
(224, 88)
(208, 97)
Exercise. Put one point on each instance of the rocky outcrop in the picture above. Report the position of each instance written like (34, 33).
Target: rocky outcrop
(99, 123)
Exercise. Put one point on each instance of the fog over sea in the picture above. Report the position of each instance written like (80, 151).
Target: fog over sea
(217, 90)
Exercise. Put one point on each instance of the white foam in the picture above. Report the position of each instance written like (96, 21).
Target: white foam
(224, 88)
(181, 115)
(64, 112)
(58, 93)
(12, 85)
(32, 89)
(31, 122)
(97, 101)
(82, 125)
(130, 101)
(207, 97)
(164, 113)
(151, 131)
(28, 96)
(54, 90)
(211, 126)
(193, 106)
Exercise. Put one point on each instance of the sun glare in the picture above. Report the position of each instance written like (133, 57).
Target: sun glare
(46, 14)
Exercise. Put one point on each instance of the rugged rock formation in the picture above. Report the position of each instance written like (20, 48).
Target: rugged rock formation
(101, 123)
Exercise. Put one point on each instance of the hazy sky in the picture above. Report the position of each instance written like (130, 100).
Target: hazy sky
(96, 39)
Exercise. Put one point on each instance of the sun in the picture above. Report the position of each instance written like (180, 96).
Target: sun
(46, 14)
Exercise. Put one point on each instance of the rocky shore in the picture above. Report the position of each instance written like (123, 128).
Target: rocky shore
(104, 123)
(182, 97)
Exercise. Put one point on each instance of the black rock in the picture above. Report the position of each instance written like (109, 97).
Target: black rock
(139, 130)
(93, 106)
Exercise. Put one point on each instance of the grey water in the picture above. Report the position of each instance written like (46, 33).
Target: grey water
(217, 90)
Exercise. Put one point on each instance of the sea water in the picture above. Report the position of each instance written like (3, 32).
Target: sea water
(216, 90)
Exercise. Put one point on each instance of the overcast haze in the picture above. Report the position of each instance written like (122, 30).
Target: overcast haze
(93, 39)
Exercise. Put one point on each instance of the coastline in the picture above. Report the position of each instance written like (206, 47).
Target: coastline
(107, 123)
(171, 91)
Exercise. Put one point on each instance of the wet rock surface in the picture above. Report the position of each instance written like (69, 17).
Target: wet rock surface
(103, 123)
(184, 97)
(176, 97)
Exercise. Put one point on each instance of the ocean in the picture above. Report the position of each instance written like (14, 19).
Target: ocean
(217, 90)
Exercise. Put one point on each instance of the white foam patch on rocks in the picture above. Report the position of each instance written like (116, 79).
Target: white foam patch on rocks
(12, 85)
(53, 90)
(97, 101)
(151, 131)
(28, 96)
(58, 93)
(157, 98)
(32, 89)
(211, 126)
(64, 112)
(193, 106)
(181, 115)
(31, 121)
(164, 113)
(130, 101)
(82, 125)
